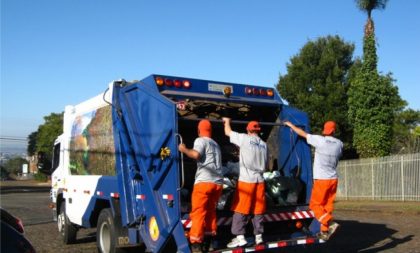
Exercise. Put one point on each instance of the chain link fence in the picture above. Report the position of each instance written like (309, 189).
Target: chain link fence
(394, 178)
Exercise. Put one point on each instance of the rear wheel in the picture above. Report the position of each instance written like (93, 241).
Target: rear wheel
(106, 233)
(67, 230)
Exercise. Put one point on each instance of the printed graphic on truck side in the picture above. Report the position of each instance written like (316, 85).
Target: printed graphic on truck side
(92, 143)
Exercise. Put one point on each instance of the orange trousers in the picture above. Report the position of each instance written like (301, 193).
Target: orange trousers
(203, 211)
(249, 198)
(322, 200)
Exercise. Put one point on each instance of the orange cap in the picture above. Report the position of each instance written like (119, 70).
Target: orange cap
(253, 126)
(204, 128)
(329, 128)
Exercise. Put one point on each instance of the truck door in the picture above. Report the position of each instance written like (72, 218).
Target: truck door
(147, 165)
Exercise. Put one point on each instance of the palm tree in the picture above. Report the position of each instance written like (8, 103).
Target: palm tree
(368, 6)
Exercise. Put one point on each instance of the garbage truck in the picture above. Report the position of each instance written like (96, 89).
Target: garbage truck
(116, 166)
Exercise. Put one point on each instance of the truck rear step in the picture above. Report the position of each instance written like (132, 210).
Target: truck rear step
(273, 245)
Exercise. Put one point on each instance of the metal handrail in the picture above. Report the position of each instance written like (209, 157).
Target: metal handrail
(235, 121)
(182, 163)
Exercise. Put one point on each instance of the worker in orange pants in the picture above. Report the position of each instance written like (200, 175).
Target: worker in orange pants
(328, 151)
(249, 199)
(203, 210)
(322, 201)
(207, 186)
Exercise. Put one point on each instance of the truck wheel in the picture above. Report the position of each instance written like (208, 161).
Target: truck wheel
(106, 234)
(67, 230)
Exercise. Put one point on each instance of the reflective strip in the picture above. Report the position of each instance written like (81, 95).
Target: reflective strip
(275, 245)
(323, 217)
(115, 195)
(168, 196)
(284, 216)
(267, 218)
(141, 196)
(99, 193)
(307, 215)
(298, 215)
(187, 223)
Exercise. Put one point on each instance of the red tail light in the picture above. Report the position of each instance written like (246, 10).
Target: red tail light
(168, 82)
(255, 91)
(248, 91)
(177, 83)
(263, 92)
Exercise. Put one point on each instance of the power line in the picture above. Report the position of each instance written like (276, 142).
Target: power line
(9, 138)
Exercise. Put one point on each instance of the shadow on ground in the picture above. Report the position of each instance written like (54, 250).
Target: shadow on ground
(354, 236)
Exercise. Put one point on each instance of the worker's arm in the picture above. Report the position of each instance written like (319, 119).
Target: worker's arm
(296, 129)
(228, 129)
(191, 153)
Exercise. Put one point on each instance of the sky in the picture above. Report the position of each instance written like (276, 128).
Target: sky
(61, 52)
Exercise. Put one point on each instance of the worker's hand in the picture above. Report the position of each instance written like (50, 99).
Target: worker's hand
(226, 120)
(288, 123)
(182, 147)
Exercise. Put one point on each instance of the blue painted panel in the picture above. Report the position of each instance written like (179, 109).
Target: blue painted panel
(106, 185)
(208, 87)
(294, 152)
(146, 123)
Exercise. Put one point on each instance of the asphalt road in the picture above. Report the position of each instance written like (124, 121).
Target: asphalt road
(367, 231)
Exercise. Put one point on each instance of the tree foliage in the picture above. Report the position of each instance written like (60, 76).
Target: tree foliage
(32, 138)
(406, 132)
(317, 83)
(368, 6)
(14, 165)
(47, 133)
(373, 101)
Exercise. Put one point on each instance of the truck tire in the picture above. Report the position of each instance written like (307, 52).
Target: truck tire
(106, 233)
(67, 230)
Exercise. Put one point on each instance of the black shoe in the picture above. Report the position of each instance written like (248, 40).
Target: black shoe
(196, 248)
(207, 244)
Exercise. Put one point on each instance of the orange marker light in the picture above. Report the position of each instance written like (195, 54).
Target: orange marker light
(159, 81)
(270, 92)
(299, 225)
(227, 91)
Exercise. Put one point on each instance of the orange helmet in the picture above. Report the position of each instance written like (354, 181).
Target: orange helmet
(253, 126)
(204, 128)
(329, 128)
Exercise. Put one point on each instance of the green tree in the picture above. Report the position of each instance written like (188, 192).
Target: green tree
(48, 132)
(4, 174)
(373, 99)
(317, 82)
(31, 149)
(406, 139)
(368, 6)
(14, 165)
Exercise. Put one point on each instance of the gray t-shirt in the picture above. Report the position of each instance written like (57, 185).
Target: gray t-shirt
(327, 153)
(209, 167)
(252, 157)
